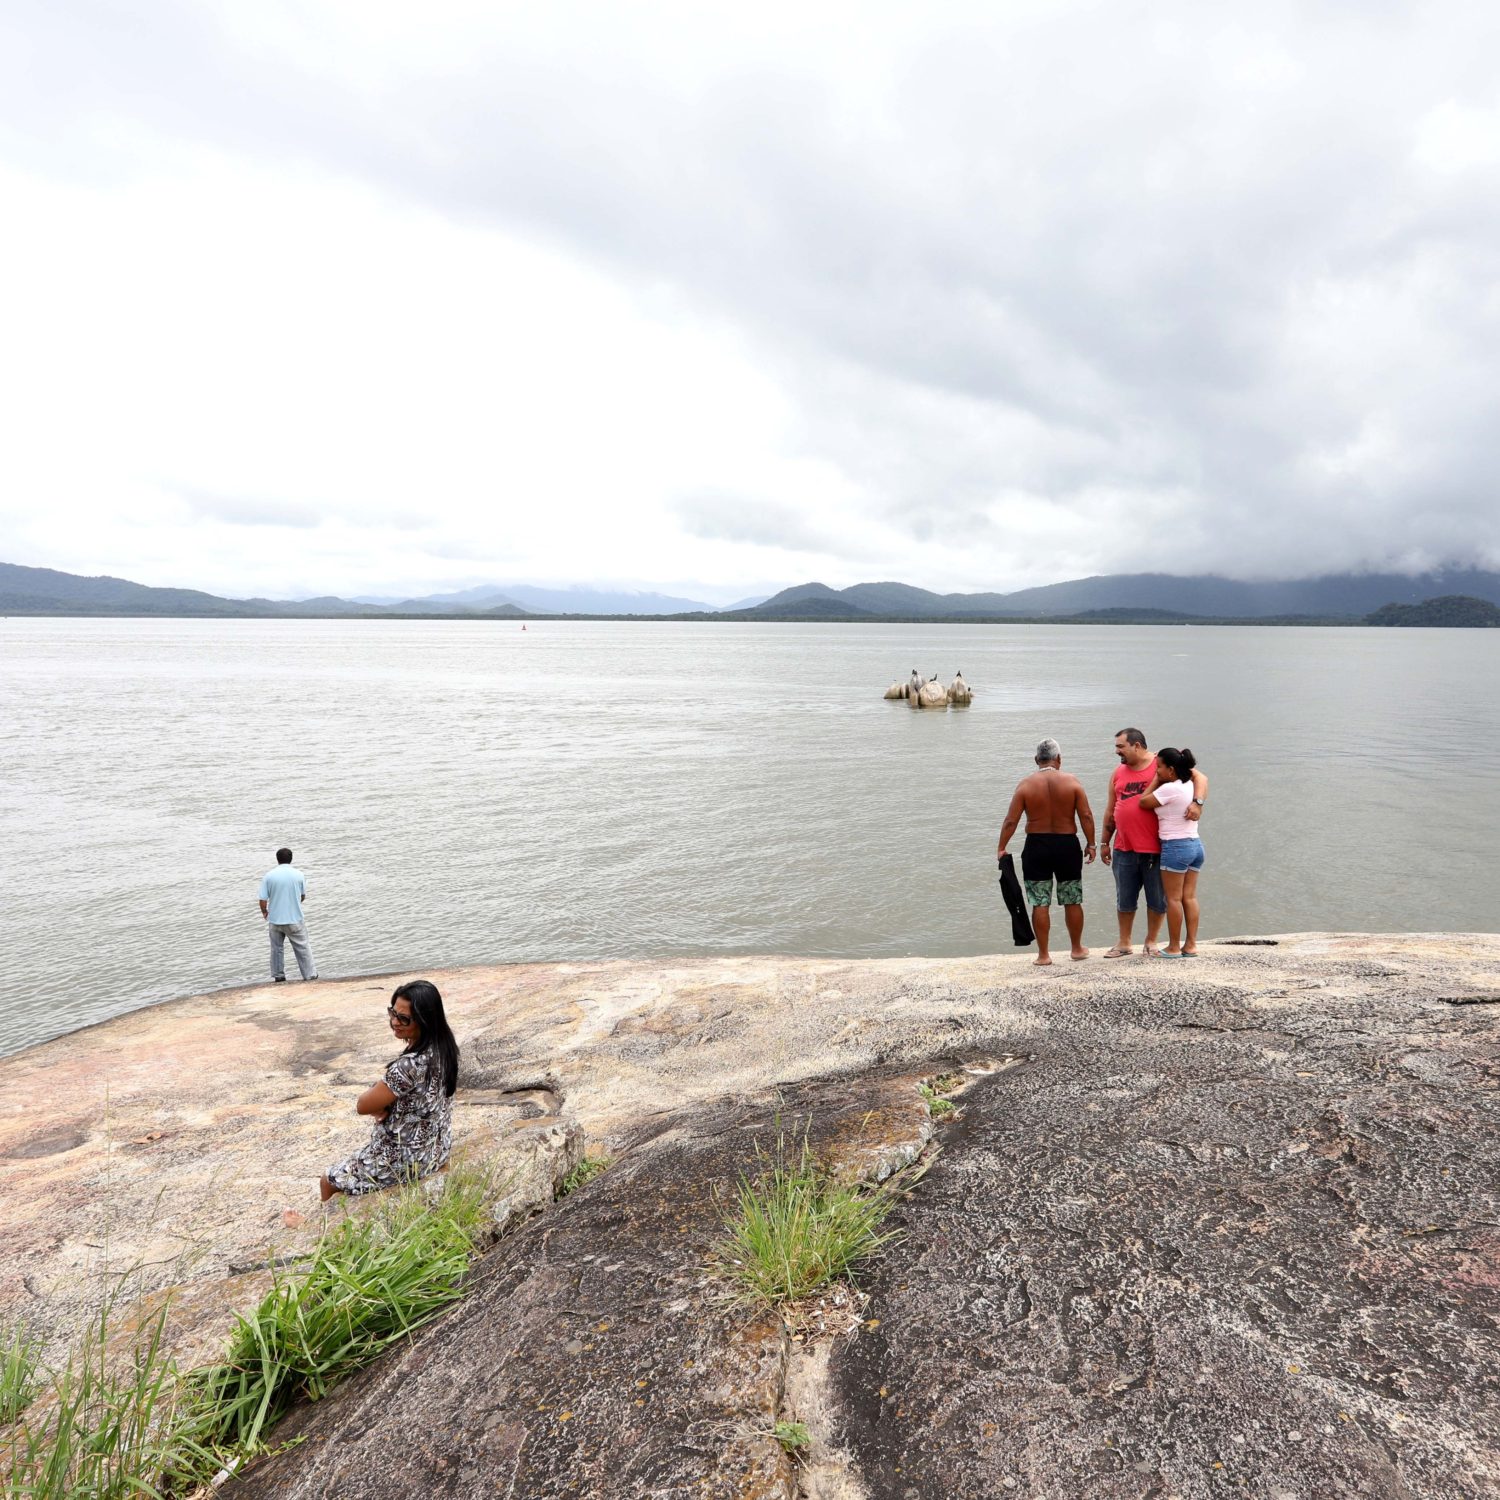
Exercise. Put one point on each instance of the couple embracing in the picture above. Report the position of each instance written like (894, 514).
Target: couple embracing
(1150, 839)
(1151, 820)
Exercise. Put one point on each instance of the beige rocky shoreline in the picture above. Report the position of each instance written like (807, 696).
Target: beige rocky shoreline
(1195, 1229)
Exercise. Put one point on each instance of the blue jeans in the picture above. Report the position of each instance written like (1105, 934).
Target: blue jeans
(1178, 856)
(1136, 872)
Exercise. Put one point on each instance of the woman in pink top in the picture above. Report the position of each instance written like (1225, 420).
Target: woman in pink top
(1171, 794)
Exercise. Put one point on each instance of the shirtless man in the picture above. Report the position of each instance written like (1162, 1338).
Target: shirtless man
(1055, 805)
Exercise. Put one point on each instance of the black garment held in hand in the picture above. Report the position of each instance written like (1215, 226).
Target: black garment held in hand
(1015, 903)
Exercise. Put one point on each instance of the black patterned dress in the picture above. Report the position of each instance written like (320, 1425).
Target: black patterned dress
(414, 1138)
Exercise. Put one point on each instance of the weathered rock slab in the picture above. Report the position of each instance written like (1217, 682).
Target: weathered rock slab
(1213, 1228)
(597, 1353)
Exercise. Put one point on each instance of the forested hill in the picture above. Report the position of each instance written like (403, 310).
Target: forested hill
(1452, 610)
(1335, 596)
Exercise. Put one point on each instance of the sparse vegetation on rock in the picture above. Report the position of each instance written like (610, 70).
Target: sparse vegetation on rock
(794, 1228)
(20, 1351)
(583, 1174)
(107, 1426)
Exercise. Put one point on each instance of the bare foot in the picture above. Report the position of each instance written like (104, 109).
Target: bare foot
(1042, 963)
(1118, 952)
(1079, 953)
(1152, 951)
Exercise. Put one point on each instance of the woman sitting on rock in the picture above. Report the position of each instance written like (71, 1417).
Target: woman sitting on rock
(412, 1105)
(1171, 794)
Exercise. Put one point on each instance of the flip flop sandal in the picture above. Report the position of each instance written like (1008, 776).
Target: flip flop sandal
(1118, 952)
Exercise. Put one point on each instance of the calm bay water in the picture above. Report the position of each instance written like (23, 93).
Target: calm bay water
(467, 792)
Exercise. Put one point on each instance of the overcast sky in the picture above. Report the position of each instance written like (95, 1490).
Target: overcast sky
(305, 295)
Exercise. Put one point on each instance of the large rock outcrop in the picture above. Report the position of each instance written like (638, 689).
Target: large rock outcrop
(1224, 1228)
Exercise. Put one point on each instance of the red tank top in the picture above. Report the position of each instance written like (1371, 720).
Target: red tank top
(1135, 826)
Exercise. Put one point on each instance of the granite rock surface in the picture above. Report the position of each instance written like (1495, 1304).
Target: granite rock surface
(1218, 1227)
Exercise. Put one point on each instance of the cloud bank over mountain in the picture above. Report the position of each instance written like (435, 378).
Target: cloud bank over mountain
(359, 298)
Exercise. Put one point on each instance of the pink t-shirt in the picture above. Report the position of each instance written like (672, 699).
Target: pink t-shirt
(1135, 826)
(1175, 798)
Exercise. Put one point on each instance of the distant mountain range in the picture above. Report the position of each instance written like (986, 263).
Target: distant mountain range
(46, 591)
(1349, 596)
(569, 601)
(1122, 598)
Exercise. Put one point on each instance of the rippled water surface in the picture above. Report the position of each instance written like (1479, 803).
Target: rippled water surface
(467, 792)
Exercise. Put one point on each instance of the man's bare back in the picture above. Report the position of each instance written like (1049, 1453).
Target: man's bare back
(1053, 800)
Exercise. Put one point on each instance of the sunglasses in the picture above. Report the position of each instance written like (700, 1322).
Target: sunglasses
(396, 1015)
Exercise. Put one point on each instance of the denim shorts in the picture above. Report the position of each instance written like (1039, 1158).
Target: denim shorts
(1178, 856)
(1134, 873)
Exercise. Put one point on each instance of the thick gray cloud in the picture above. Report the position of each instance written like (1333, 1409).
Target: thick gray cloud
(1089, 287)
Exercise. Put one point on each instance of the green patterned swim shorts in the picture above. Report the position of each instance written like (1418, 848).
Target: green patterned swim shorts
(1069, 892)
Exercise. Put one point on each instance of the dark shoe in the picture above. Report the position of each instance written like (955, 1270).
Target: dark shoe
(279, 979)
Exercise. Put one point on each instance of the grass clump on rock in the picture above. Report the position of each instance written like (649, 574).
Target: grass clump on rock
(372, 1281)
(794, 1228)
(117, 1420)
(20, 1353)
(583, 1174)
(937, 1106)
(96, 1426)
(793, 1436)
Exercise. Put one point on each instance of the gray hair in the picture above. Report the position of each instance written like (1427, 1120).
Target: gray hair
(1048, 750)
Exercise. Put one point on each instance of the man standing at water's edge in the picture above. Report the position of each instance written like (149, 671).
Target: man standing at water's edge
(282, 892)
(1055, 805)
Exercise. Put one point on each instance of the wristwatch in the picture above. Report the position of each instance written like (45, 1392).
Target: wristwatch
(1197, 801)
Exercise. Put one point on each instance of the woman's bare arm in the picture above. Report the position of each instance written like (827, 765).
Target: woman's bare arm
(375, 1100)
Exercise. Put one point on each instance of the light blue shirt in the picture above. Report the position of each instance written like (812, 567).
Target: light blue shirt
(282, 889)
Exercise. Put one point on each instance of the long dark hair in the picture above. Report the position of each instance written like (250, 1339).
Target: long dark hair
(1179, 762)
(427, 1011)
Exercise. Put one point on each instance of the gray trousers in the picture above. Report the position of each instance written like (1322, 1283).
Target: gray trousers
(296, 933)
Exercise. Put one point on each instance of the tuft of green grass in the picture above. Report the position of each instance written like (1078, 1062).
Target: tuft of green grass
(794, 1229)
(584, 1173)
(793, 1436)
(20, 1353)
(113, 1434)
(373, 1280)
(937, 1106)
(105, 1432)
